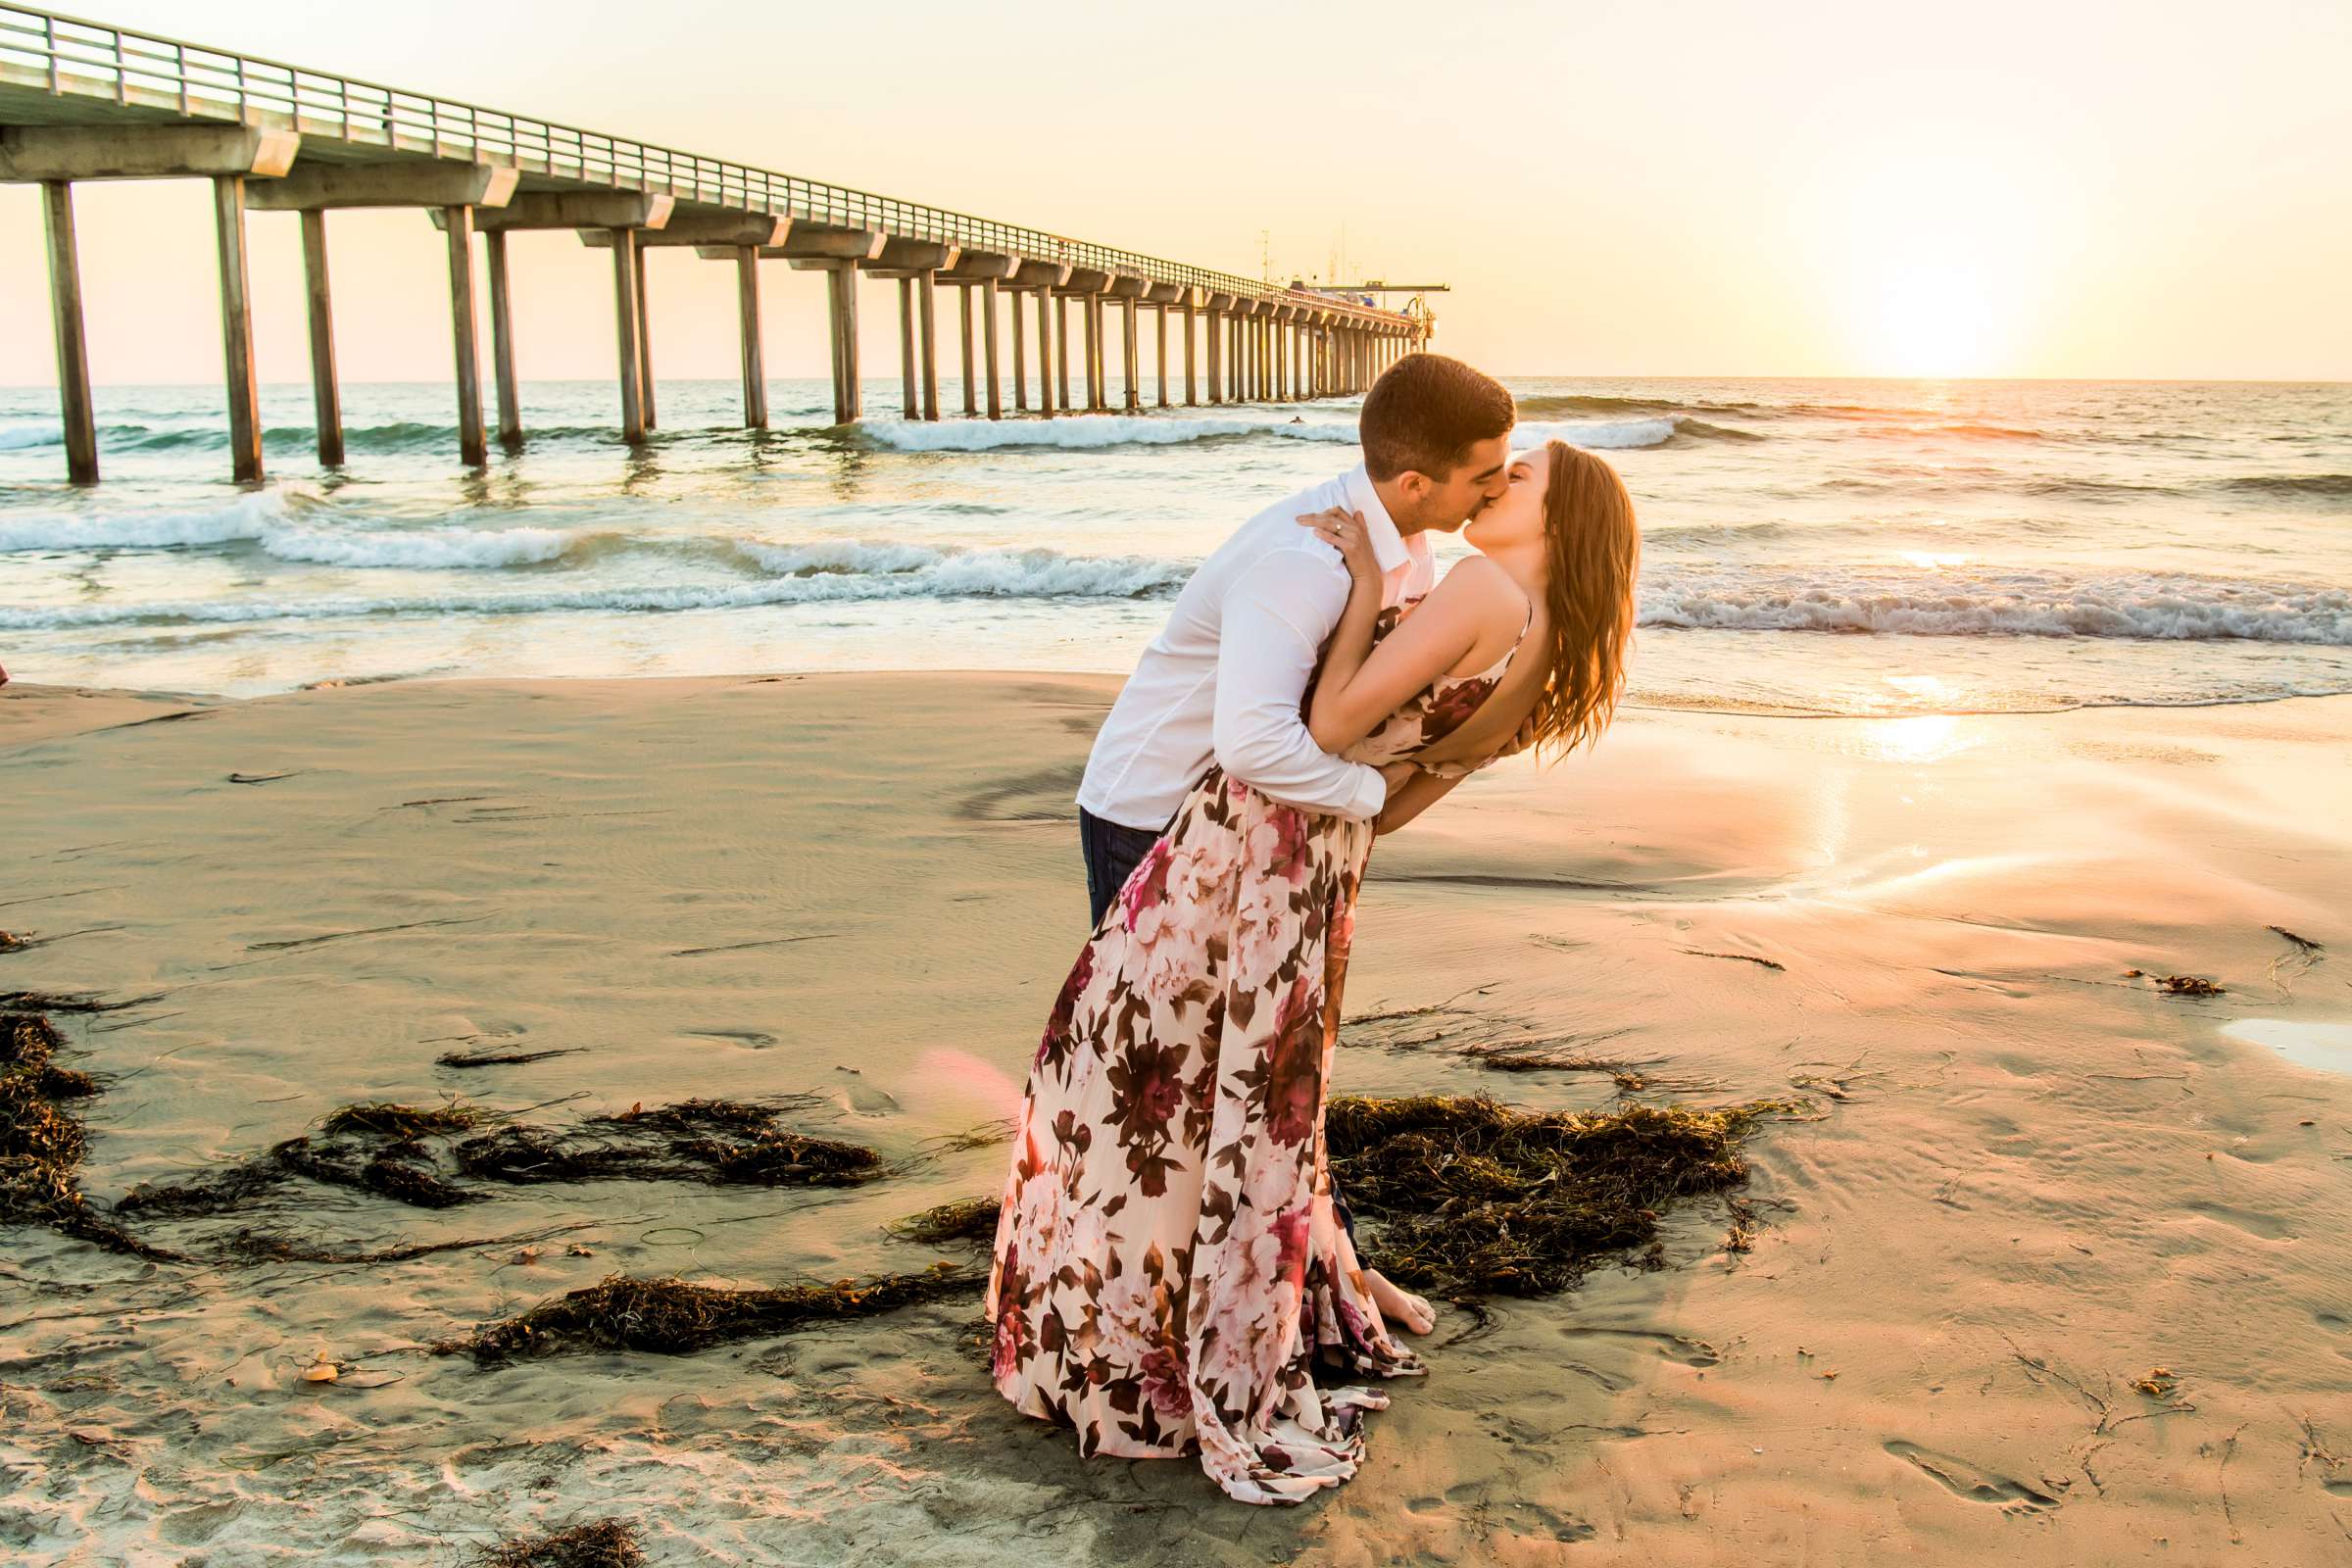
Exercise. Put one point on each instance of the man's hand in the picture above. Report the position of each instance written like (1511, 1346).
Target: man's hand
(1345, 531)
(1521, 741)
(1389, 820)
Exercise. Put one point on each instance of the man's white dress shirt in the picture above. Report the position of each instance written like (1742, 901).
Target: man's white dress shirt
(1222, 681)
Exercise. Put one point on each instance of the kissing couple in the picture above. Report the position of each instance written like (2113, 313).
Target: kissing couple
(1172, 1265)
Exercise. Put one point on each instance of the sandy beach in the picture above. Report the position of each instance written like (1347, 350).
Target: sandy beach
(2027, 1179)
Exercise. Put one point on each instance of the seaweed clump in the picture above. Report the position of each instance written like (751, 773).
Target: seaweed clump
(381, 1148)
(348, 1154)
(388, 1120)
(669, 1317)
(1472, 1196)
(970, 1219)
(395, 1170)
(721, 1141)
(604, 1543)
(2178, 985)
(41, 1145)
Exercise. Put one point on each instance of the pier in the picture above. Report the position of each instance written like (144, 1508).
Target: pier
(81, 100)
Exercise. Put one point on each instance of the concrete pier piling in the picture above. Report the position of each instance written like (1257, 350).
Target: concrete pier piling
(1190, 296)
(1061, 348)
(236, 329)
(971, 379)
(911, 397)
(1020, 353)
(272, 138)
(72, 345)
(1162, 296)
(466, 336)
(987, 343)
(624, 317)
(1214, 337)
(501, 341)
(927, 297)
(1127, 291)
(1045, 353)
(326, 398)
(754, 357)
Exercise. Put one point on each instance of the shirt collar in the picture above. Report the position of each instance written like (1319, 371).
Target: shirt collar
(1389, 547)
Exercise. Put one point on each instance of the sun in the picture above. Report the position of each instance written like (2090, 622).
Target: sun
(1932, 314)
(1938, 273)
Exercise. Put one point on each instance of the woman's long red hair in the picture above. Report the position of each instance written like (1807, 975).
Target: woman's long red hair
(1593, 545)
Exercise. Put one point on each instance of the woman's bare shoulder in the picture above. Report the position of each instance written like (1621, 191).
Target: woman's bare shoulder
(1476, 586)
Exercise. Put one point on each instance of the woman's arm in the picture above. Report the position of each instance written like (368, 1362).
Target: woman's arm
(1351, 639)
(1409, 799)
(1359, 689)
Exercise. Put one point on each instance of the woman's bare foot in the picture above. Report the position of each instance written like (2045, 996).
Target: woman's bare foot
(1408, 1311)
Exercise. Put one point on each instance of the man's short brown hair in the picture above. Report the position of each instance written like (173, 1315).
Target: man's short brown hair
(1425, 413)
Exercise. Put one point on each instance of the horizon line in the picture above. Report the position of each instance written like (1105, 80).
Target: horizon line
(303, 384)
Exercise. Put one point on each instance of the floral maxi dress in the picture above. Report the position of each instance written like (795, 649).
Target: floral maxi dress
(1168, 1266)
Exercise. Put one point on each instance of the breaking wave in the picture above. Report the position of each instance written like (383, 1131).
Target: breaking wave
(267, 520)
(793, 574)
(2152, 607)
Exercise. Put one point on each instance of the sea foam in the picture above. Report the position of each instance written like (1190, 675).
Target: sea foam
(803, 574)
(1083, 432)
(2152, 607)
(267, 519)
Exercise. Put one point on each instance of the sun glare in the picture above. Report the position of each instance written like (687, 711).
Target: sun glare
(1944, 261)
(1933, 315)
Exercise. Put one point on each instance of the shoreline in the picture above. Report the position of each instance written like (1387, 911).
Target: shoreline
(2034, 1179)
(1729, 709)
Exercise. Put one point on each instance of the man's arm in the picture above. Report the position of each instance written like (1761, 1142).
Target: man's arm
(1275, 619)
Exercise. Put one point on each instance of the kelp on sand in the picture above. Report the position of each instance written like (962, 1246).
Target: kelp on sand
(670, 1317)
(1468, 1196)
(41, 1145)
(603, 1543)
(383, 1148)
(726, 1143)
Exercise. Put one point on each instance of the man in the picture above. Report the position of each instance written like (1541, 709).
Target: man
(1224, 679)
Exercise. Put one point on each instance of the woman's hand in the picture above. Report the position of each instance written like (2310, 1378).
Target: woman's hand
(1345, 531)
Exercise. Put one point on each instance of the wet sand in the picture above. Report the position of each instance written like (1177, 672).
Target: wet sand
(2030, 1179)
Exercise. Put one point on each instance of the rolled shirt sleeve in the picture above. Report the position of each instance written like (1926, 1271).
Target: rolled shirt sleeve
(1274, 621)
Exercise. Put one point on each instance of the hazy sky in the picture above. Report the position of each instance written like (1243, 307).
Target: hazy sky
(2154, 189)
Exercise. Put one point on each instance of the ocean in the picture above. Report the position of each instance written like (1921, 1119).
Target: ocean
(1810, 547)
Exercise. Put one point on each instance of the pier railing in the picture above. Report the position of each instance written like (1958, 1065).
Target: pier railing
(92, 60)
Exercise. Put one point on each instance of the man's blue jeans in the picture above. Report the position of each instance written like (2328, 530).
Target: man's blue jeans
(1112, 852)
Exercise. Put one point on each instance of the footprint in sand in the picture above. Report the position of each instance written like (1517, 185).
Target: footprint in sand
(1673, 1347)
(758, 1040)
(1962, 1479)
(1523, 1519)
(2269, 1227)
(1534, 1519)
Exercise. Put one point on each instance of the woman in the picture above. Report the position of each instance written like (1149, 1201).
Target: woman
(1168, 1265)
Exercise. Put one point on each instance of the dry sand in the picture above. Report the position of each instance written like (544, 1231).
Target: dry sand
(2032, 1180)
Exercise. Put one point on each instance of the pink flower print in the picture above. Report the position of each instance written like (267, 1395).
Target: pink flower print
(1146, 890)
(1295, 1071)
(1165, 1384)
(1291, 1229)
